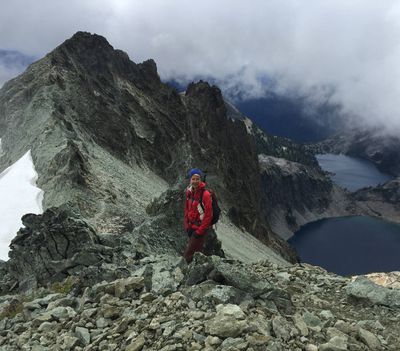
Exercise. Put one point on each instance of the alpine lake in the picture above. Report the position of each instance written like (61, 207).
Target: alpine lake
(350, 245)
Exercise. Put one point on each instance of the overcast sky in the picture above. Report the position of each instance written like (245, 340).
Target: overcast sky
(348, 50)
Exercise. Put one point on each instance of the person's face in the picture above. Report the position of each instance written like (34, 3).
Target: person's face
(195, 181)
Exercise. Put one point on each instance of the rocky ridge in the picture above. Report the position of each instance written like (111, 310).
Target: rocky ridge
(212, 304)
(107, 292)
(107, 136)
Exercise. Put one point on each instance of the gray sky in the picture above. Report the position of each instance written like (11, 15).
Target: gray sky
(348, 50)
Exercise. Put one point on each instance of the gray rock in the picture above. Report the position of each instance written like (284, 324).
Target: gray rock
(284, 276)
(70, 342)
(260, 325)
(364, 289)
(163, 282)
(221, 271)
(228, 322)
(83, 335)
(345, 327)
(369, 339)
(123, 287)
(46, 317)
(209, 291)
(374, 324)
(44, 301)
(212, 341)
(258, 339)
(282, 329)
(280, 298)
(60, 313)
(137, 344)
(63, 302)
(274, 345)
(337, 343)
(326, 315)
(235, 343)
(300, 324)
(312, 321)
(332, 332)
(31, 306)
(89, 313)
(46, 327)
(102, 323)
(61, 239)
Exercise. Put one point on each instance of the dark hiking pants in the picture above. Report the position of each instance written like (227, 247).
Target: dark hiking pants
(208, 244)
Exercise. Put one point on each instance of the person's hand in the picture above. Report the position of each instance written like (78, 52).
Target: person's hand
(197, 236)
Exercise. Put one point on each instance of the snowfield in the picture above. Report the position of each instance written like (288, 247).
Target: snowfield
(19, 195)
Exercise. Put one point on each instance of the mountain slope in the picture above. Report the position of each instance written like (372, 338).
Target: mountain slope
(109, 138)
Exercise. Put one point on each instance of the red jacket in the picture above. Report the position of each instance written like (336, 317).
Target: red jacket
(195, 217)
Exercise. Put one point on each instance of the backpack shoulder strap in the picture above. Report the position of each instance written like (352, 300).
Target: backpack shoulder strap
(201, 198)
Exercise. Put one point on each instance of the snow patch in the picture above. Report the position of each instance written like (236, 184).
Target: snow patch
(249, 125)
(19, 196)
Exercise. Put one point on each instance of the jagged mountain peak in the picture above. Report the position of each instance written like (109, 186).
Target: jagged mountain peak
(202, 87)
(92, 54)
(88, 41)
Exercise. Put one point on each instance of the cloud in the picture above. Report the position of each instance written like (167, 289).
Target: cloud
(12, 63)
(346, 52)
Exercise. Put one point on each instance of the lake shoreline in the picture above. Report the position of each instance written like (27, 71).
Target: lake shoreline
(350, 245)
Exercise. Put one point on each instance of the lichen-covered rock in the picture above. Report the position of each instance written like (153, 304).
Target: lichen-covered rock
(53, 246)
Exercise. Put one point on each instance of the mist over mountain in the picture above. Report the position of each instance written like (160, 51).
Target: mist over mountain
(296, 118)
(12, 63)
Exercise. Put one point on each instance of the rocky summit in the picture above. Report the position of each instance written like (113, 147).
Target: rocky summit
(211, 304)
(101, 267)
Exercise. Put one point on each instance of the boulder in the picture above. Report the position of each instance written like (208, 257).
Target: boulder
(228, 322)
(362, 289)
(52, 246)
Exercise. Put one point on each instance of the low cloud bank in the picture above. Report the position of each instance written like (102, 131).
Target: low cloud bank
(336, 51)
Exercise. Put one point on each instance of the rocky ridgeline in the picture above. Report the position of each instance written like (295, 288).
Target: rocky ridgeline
(212, 304)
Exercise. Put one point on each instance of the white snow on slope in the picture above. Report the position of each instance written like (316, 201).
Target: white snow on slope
(18, 196)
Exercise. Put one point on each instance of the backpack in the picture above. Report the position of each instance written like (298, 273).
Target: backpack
(215, 206)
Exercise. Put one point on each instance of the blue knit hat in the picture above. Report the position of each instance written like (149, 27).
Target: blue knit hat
(195, 171)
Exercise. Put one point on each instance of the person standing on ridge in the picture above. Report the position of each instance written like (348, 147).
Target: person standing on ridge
(198, 218)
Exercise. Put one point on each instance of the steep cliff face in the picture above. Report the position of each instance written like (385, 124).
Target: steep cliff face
(384, 151)
(294, 189)
(295, 194)
(109, 137)
(382, 201)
